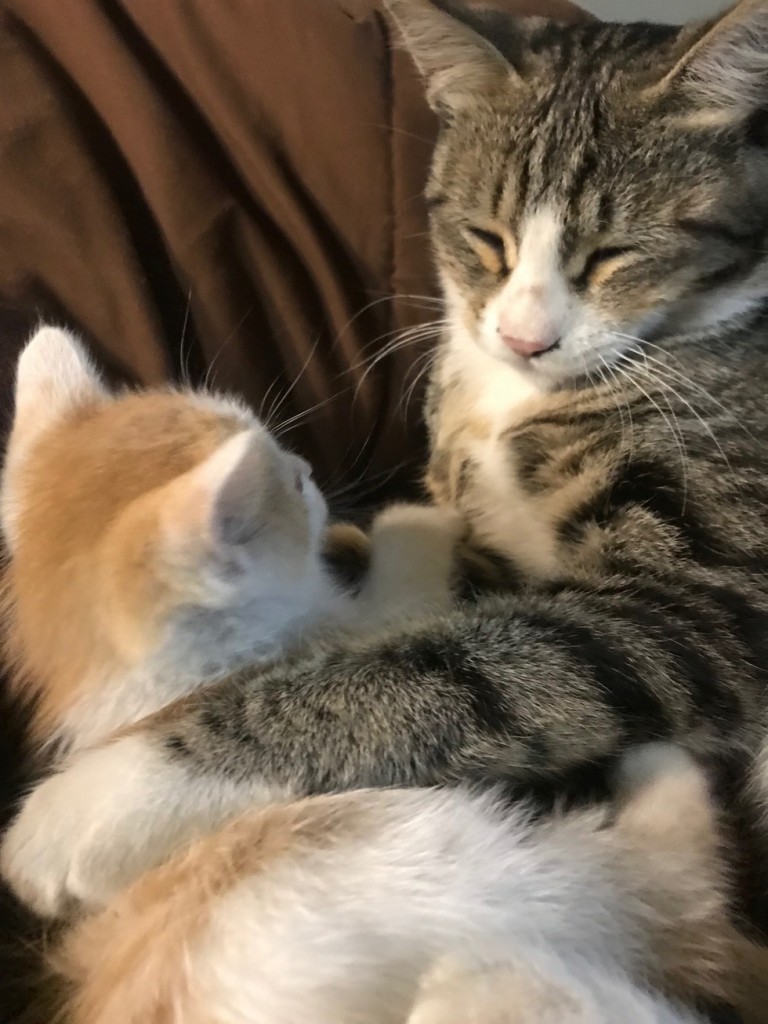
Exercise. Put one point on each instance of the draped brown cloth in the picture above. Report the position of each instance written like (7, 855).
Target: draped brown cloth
(232, 188)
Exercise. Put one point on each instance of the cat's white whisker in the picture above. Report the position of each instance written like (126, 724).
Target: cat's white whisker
(209, 381)
(672, 424)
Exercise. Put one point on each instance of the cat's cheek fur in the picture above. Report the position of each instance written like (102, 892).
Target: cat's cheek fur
(111, 814)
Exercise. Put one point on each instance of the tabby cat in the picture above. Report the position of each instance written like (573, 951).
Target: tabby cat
(599, 204)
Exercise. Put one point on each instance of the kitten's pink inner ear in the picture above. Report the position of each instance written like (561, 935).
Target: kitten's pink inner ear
(53, 376)
(218, 502)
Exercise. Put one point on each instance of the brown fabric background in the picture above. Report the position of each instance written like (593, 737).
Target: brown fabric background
(251, 169)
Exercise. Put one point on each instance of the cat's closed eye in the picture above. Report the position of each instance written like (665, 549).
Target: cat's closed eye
(602, 263)
(491, 249)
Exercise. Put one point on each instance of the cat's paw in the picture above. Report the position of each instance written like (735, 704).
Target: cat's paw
(645, 764)
(93, 827)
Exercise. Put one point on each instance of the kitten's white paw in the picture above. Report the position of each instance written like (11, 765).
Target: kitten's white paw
(413, 555)
(87, 830)
(406, 524)
(457, 992)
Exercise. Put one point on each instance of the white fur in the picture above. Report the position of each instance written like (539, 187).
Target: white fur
(350, 928)
(536, 302)
(93, 827)
(492, 386)
(537, 987)
(497, 500)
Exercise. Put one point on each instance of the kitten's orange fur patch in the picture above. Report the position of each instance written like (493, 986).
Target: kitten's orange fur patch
(146, 933)
(97, 460)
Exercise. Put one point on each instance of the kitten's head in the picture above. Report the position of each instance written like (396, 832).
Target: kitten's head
(143, 524)
(594, 183)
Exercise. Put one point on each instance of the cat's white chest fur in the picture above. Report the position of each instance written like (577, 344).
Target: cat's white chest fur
(506, 517)
(486, 397)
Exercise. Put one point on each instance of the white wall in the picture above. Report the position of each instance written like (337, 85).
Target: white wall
(653, 10)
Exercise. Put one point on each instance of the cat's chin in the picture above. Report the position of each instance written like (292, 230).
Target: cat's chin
(545, 373)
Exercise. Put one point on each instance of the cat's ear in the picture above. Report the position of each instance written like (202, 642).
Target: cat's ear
(210, 511)
(457, 62)
(723, 67)
(54, 374)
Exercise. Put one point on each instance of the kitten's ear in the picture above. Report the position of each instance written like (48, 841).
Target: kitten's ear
(53, 375)
(457, 62)
(724, 65)
(217, 506)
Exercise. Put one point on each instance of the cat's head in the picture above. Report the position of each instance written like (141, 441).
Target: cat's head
(143, 524)
(594, 184)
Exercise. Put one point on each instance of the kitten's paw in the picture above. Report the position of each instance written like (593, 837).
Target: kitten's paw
(91, 828)
(413, 524)
(30, 857)
(451, 993)
(413, 559)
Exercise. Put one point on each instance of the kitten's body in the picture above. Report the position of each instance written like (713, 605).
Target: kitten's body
(620, 205)
(338, 909)
(192, 545)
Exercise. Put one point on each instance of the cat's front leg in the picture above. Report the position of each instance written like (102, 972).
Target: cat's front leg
(113, 812)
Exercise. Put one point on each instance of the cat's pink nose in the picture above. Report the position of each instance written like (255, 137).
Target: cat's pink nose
(529, 348)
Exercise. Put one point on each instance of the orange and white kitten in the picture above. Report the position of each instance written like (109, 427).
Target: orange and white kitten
(159, 538)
